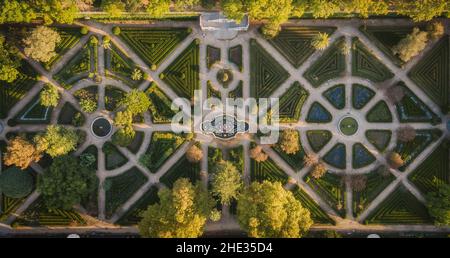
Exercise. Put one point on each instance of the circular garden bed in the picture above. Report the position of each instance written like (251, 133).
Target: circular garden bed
(224, 77)
(348, 126)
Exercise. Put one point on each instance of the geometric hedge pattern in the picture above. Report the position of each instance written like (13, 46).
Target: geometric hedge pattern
(330, 65)
(317, 214)
(155, 44)
(119, 65)
(69, 38)
(386, 37)
(432, 73)
(11, 93)
(267, 170)
(332, 189)
(294, 43)
(366, 65)
(291, 103)
(376, 183)
(433, 172)
(400, 207)
(266, 75)
(183, 74)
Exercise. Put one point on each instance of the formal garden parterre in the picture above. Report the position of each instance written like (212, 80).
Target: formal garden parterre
(373, 170)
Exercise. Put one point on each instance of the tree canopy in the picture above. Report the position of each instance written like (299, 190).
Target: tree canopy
(41, 43)
(194, 154)
(57, 140)
(21, 153)
(65, 183)
(49, 96)
(268, 210)
(424, 10)
(12, 11)
(226, 181)
(439, 205)
(114, 8)
(136, 102)
(9, 61)
(411, 45)
(16, 183)
(290, 141)
(181, 213)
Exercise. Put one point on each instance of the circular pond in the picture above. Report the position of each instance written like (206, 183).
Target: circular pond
(348, 126)
(101, 127)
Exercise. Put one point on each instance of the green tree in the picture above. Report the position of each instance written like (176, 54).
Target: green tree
(114, 8)
(15, 11)
(60, 11)
(226, 181)
(183, 5)
(298, 7)
(158, 8)
(49, 96)
(320, 41)
(439, 205)
(323, 8)
(8, 73)
(268, 210)
(135, 5)
(366, 7)
(136, 75)
(87, 159)
(88, 105)
(9, 61)
(181, 212)
(41, 43)
(423, 10)
(65, 183)
(16, 183)
(123, 118)
(233, 9)
(274, 12)
(136, 102)
(57, 140)
(124, 136)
